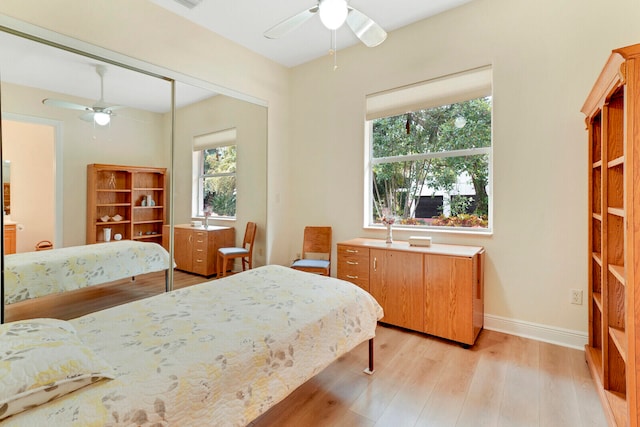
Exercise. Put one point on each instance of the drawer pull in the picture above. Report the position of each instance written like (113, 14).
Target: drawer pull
(198, 260)
(351, 251)
(351, 277)
(352, 262)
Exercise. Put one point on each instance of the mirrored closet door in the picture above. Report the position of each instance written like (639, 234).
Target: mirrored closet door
(65, 110)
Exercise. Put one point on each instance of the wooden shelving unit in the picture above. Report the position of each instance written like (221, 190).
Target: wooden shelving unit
(613, 124)
(123, 190)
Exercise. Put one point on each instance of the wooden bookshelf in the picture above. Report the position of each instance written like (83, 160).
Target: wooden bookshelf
(613, 125)
(124, 190)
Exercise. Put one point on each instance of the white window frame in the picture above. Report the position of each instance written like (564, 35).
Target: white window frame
(447, 90)
(201, 143)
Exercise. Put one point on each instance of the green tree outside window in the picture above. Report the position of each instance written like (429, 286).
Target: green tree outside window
(428, 151)
(219, 181)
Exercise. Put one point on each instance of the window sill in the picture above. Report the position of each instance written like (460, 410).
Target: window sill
(443, 230)
(214, 218)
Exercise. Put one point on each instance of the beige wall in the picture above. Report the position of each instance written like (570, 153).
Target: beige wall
(545, 55)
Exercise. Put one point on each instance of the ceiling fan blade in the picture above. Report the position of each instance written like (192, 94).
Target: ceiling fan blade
(87, 117)
(365, 28)
(65, 104)
(290, 24)
(101, 106)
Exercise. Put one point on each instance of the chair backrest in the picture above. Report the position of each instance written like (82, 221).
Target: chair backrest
(249, 236)
(44, 245)
(317, 243)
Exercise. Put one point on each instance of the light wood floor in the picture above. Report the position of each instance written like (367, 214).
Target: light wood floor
(87, 300)
(420, 380)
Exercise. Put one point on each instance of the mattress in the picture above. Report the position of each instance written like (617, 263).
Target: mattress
(217, 354)
(35, 274)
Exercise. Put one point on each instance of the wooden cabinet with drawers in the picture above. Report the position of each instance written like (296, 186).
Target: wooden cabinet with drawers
(195, 249)
(9, 239)
(438, 290)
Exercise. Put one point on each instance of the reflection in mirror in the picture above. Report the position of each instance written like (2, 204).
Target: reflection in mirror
(217, 115)
(55, 201)
(61, 133)
(6, 186)
(62, 112)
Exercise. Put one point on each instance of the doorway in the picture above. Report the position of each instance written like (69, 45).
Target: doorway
(30, 149)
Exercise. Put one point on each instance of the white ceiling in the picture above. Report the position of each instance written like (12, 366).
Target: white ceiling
(32, 64)
(245, 21)
(28, 63)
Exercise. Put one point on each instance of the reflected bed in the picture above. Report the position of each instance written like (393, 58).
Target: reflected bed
(36, 274)
(219, 353)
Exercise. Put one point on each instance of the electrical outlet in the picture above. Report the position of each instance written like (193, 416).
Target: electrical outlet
(576, 296)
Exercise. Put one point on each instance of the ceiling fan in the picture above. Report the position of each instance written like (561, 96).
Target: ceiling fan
(333, 13)
(99, 113)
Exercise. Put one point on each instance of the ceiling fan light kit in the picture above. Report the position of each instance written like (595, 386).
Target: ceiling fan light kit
(101, 118)
(99, 113)
(333, 13)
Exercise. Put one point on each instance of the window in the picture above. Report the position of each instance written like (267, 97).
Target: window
(429, 162)
(214, 172)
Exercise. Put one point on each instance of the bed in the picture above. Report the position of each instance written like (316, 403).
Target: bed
(218, 353)
(35, 274)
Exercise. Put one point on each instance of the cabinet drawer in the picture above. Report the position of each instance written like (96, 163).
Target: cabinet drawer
(200, 242)
(353, 265)
(353, 268)
(360, 282)
(353, 252)
(200, 254)
(200, 265)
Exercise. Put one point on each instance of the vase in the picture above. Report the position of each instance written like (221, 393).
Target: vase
(107, 234)
(389, 234)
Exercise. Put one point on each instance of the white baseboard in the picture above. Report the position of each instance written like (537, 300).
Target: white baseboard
(535, 331)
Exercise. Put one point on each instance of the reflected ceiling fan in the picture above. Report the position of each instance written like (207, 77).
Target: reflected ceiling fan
(333, 13)
(99, 113)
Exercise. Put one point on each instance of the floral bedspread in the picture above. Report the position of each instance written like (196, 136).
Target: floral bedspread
(35, 274)
(216, 354)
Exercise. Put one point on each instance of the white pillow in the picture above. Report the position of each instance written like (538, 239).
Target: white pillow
(41, 360)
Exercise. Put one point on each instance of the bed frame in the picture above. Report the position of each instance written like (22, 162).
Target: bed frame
(35, 274)
(218, 353)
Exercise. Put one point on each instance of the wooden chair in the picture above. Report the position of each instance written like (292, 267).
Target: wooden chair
(316, 251)
(44, 245)
(245, 252)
